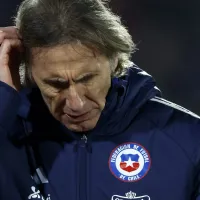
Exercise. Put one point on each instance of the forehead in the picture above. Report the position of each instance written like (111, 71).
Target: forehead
(68, 56)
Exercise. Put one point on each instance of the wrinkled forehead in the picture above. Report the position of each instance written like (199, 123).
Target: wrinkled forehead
(56, 60)
(67, 53)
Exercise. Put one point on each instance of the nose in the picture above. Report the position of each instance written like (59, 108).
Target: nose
(74, 101)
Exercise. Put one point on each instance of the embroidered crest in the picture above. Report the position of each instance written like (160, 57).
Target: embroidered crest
(37, 195)
(130, 195)
(129, 162)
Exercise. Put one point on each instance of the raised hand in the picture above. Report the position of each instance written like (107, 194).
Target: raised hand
(11, 50)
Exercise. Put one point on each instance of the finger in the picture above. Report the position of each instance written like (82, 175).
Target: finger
(12, 29)
(8, 44)
(9, 29)
(9, 33)
(4, 35)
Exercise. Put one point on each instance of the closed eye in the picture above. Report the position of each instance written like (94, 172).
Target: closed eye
(85, 78)
(57, 83)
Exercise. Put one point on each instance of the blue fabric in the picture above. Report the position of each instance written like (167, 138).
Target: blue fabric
(9, 104)
(143, 147)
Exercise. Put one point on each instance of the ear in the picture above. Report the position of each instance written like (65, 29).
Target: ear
(114, 63)
(26, 77)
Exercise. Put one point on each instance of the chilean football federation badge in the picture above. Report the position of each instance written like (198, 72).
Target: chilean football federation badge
(129, 162)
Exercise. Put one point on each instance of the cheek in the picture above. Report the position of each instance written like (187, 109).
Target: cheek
(101, 85)
(51, 99)
(97, 90)
(47, 100)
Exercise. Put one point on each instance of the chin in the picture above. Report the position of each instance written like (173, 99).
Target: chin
(79, 128)
(83, 126)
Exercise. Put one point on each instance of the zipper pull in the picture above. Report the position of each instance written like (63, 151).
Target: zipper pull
(83, 142)
(80, 143)
(84, 139)
(86, 144)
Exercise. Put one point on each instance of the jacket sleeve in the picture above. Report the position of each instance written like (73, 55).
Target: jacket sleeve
(9, 105)
(197, 186)
(197, 175)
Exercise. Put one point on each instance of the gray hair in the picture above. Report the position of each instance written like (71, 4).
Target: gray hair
(47, 23)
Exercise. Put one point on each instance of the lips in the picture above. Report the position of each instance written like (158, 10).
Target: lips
(77, 118)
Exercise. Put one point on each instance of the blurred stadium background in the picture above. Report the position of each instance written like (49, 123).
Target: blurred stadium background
(167, 34)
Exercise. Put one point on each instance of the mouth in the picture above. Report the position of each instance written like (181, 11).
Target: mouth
(77, 118)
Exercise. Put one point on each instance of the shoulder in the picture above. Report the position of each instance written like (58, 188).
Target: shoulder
(165, 113)
(177, 123)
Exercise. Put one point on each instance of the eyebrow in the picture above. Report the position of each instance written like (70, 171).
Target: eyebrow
(51, 81)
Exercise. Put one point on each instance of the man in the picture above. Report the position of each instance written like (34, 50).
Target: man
(89, 124)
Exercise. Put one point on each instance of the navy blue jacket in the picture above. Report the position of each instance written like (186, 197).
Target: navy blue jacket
(143, 148)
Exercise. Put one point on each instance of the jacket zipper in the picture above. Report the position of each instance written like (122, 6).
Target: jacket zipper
(82, 169)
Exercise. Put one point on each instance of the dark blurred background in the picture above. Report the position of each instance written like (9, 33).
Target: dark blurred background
(167, 34)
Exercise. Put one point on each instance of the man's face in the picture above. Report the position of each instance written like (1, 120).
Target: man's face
(74, 82)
